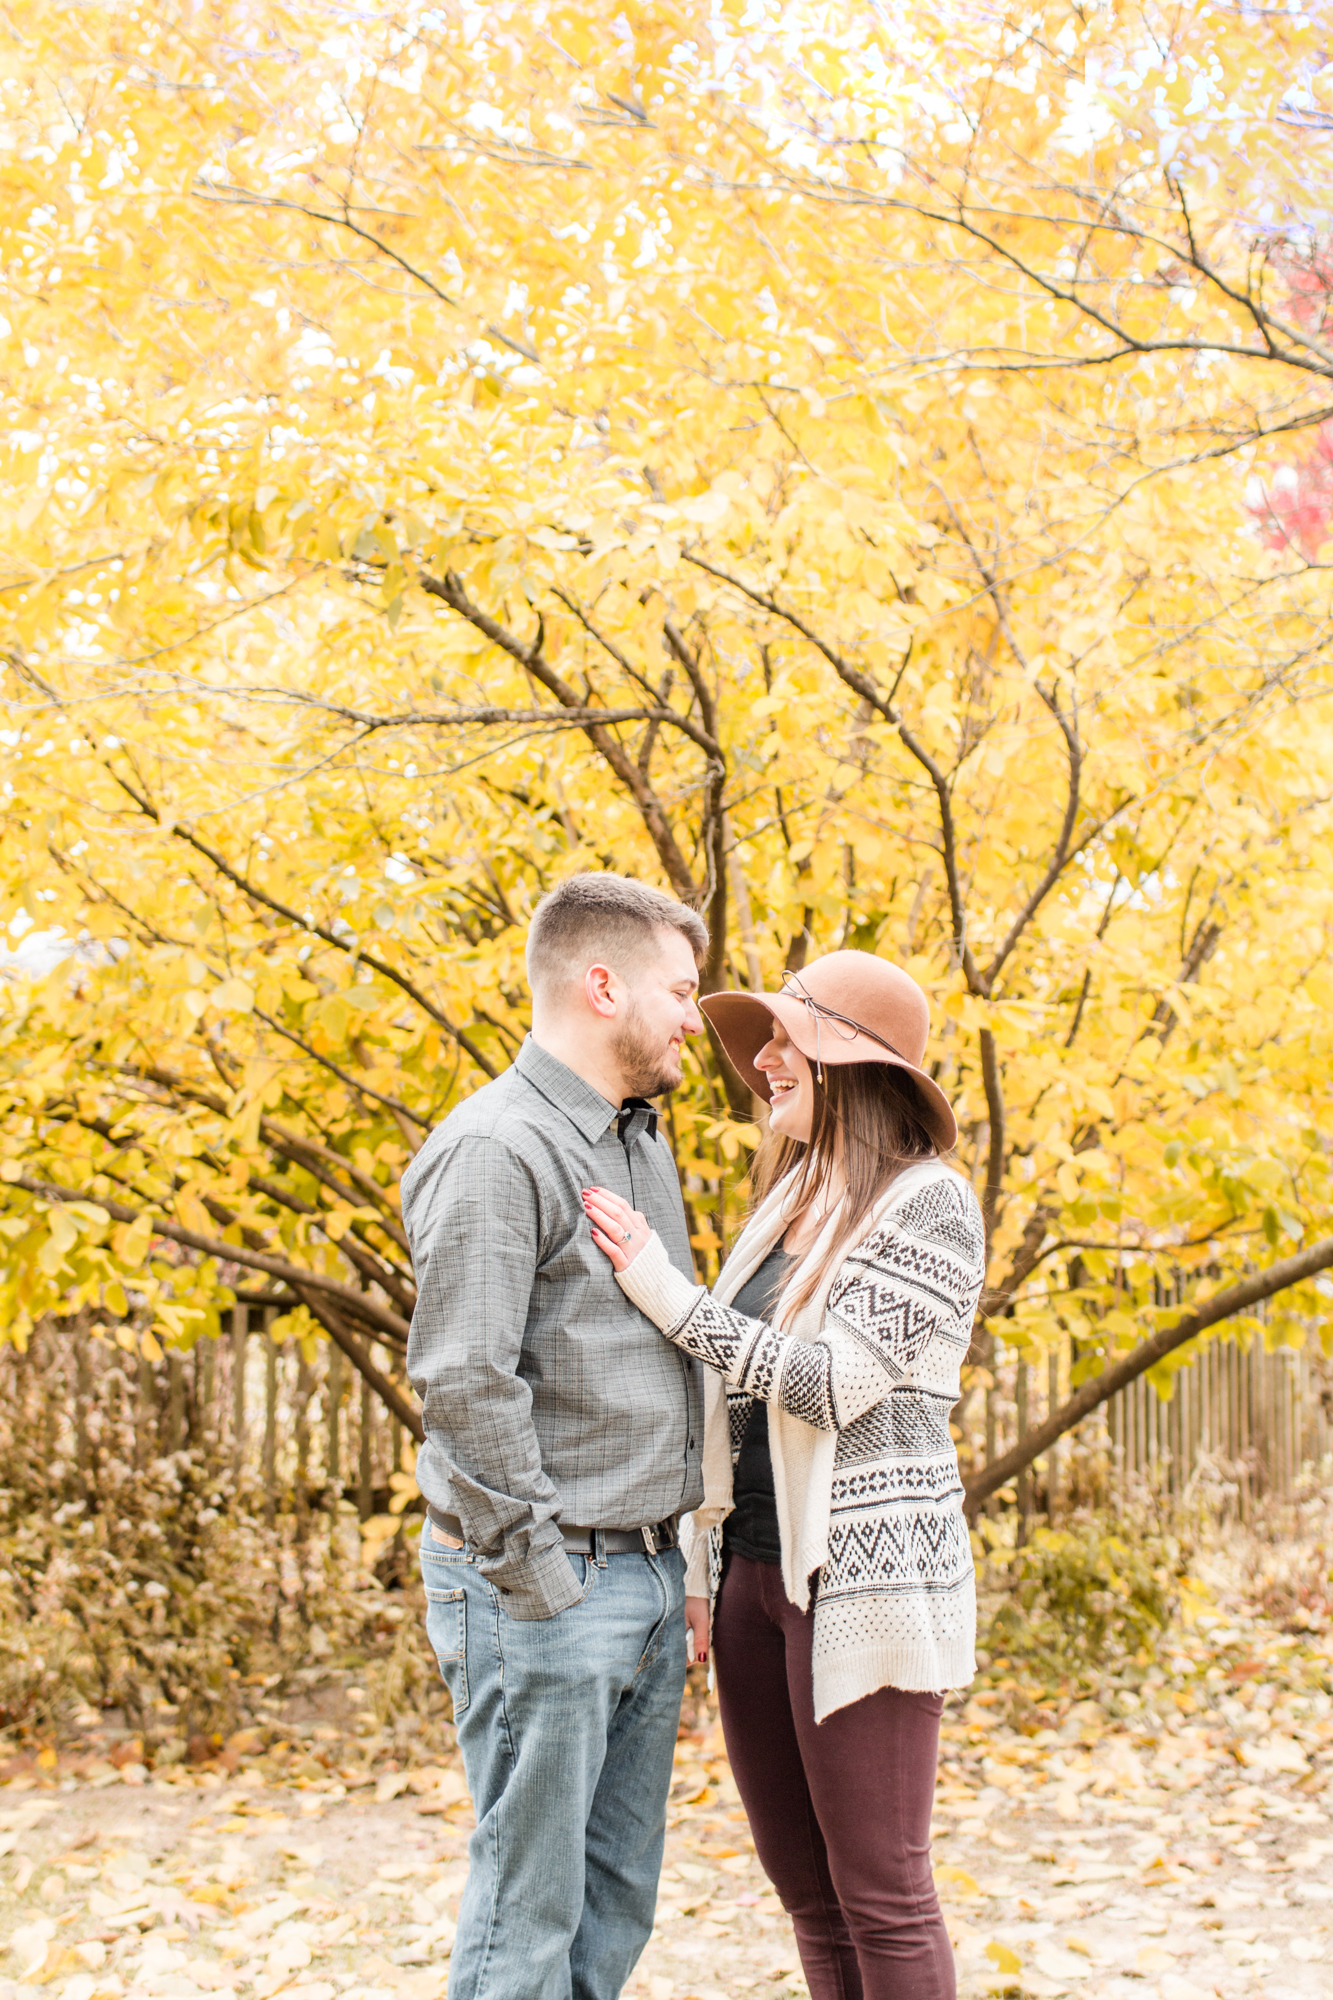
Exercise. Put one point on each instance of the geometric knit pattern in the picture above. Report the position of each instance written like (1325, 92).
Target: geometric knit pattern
(896, 1602)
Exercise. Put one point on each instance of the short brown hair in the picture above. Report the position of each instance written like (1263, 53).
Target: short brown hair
(607, 917)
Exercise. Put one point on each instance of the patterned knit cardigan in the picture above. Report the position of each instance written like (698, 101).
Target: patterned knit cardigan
(859, 1391)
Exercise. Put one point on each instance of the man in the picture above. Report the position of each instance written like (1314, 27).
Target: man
(563, 1441)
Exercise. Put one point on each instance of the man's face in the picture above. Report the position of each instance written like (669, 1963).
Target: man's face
(658, 1015)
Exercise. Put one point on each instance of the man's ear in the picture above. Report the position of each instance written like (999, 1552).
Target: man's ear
(603, 991)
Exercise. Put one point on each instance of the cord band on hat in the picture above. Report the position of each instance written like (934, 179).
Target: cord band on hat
(794, 988)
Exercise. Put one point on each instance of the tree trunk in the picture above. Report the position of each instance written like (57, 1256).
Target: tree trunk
(1053, 1454)
(333, 1391)
(240, 1326)
(83, 1389)
(175, 1401)
(1022, 1372)
(145, 1430)
(992, 1417)
(304, 1385)
(205, 1396)
(270, 1420)
(365, 1490)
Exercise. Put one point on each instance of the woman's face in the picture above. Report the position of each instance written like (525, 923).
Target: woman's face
(791, 1087)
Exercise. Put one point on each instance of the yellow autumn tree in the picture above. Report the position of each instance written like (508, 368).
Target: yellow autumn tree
(837, 464)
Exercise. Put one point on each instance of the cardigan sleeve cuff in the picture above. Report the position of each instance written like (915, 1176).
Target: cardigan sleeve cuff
(656, 1287)
(698, 1580)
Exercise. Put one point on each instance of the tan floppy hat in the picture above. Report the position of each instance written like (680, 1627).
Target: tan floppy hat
(848, 1007)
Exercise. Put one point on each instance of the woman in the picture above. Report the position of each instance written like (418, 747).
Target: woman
(846, 1604)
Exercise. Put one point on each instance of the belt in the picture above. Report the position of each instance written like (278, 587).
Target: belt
(579, 1541)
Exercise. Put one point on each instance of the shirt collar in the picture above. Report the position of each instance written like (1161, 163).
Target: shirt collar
(585, 1107)
(636, 1115)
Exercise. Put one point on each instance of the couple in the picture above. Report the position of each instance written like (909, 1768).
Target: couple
(582, 1393)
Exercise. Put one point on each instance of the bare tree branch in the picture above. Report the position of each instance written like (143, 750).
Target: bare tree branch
(257, 895)
(882, 706)
(1059, 857)
(370, 723)
(1237, 1298)
(359, 1254)
(1300, 351)
(225, 196)
(451, 590)
(384, 1321)
(1068, 725)
(391, 1104)
(712, 823)
(995, 1152)
(298, 1147)
(997, 1300)
(388, 1392)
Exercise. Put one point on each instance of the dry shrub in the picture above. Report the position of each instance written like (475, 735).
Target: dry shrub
(142, 1581)
(1078, 1600)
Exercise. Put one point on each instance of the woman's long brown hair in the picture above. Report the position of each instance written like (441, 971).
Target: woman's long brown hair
(867, 1118)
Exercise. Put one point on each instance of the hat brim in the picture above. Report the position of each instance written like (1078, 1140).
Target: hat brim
(744, 1022)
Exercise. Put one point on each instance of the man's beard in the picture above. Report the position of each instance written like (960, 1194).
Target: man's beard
(647, 1070)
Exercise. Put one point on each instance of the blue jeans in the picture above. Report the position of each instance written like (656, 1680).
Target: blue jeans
(567, 1727)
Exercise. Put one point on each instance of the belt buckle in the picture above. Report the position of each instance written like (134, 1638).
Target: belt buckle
(649, 1540)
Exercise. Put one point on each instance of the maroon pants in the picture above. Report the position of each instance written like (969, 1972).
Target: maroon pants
(840, 1810)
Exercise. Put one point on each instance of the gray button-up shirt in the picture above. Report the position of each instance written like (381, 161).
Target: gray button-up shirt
(546, 1395)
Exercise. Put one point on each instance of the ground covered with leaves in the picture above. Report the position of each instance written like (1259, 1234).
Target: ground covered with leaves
(1164, 1837)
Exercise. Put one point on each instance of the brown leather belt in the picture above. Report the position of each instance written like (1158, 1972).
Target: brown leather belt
(579, 1541)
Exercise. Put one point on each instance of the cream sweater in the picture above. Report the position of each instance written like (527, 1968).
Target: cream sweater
(859, 1387)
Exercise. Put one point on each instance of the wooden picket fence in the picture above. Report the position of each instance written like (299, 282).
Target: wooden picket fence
(1241, 1432)
(1253, 1419)
(1244, 1428)
(293, 1432)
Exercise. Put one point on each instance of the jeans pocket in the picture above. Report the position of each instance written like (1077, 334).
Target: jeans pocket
(587, 1580)
(442, 1559)
(585, 1577)
(446, 1629)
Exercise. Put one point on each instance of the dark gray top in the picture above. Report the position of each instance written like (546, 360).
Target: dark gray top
(546, 1395)
(751, 1528)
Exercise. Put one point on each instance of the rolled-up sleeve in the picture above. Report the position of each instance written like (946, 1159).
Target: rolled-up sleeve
(475, 1230)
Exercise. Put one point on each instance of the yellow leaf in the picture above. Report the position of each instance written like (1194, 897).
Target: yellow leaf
(63, 1230)
(192, 1214)
(130, 1241)
(956, 1881)
(232, 997)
